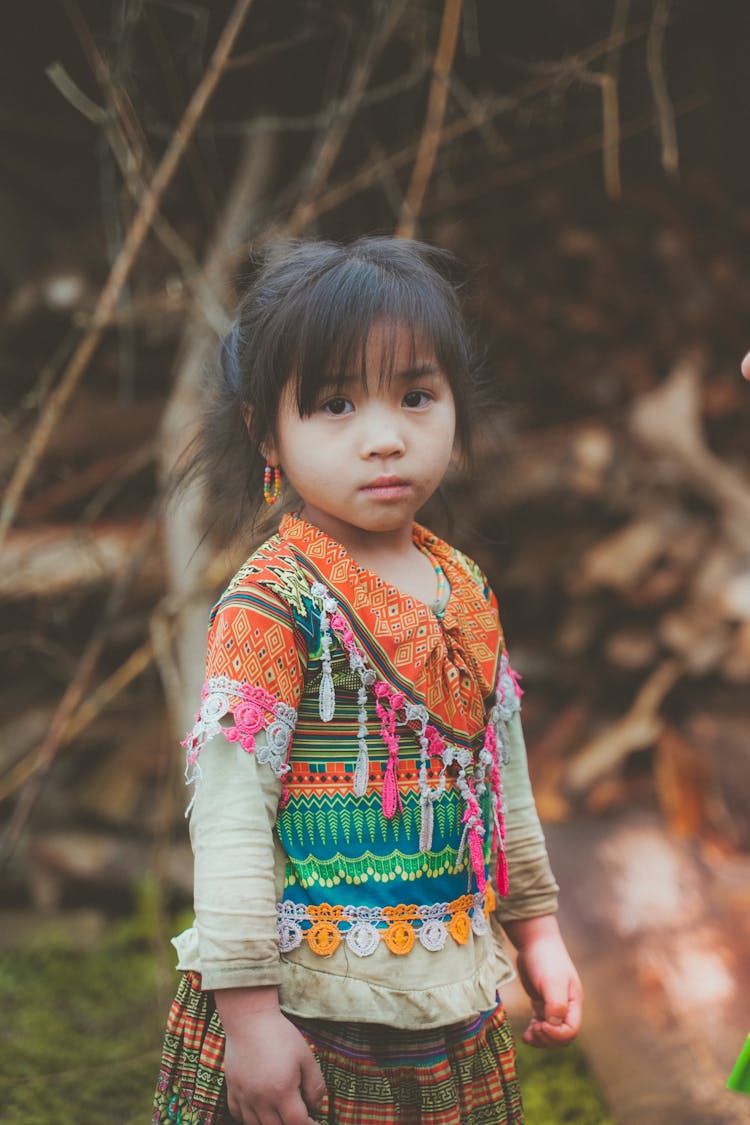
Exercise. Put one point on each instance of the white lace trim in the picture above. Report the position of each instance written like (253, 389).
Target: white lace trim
(364, 927)
(253, 711)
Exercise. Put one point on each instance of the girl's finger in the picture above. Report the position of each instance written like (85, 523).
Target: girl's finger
(575, 1009)
(746, 366)
(313, 1087)
(561, 1036)
(293, 1112)
(555, 1010)
(543, 1034)
(534, 1036)
(252, 1118)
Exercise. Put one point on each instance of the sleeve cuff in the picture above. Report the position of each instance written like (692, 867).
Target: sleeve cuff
(221, 975)
(535, 894)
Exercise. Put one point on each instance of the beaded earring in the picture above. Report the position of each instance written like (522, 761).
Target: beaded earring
(271, 483)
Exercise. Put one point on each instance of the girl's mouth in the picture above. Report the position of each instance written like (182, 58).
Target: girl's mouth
(386, 488)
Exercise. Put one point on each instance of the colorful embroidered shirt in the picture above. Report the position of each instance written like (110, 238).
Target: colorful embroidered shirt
(344, 844)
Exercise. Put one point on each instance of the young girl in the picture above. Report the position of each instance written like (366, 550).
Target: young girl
(362, 819)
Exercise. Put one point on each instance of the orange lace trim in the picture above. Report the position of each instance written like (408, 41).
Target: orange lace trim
(398, 927)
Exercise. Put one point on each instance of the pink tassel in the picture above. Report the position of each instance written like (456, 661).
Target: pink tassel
(476, 855)
(501, 874)
(391, 795)
(515, 678)
(501, 871)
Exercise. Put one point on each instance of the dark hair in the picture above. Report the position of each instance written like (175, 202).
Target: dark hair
(306, 316)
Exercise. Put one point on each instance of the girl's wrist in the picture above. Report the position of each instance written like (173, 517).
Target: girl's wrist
(524, 932)
(236, 1005)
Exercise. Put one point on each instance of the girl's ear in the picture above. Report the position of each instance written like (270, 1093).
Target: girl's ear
(269, 451)
(267, 448)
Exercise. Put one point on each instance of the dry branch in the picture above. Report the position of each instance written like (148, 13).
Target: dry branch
(77, 689)
(429, 141)
(661, 938)
(637, 729)
(333, 138)
(127, 140)
(530, 170)
(479, 116)
(188, 553)
(109, 296)
(670, 159)
(105, 471)
(55, 559)
(106, 860)
(668, 422)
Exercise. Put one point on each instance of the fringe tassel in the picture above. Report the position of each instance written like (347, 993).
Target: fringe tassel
(476, 854)
(427, 823)
(361, 770)
(326, 692)
(501, 873)
(326, 697)
(391, 795)
(462, 847)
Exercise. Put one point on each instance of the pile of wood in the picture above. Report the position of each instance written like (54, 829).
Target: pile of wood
(616, 527)
(617, 524)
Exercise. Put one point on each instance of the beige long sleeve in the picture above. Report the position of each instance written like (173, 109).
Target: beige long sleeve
(231, 830)
(533, 890)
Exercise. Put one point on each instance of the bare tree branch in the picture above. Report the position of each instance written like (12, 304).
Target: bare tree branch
(109, 295)
(342, 118)
(75, 693)
(127, 140)
(371, 172)
(429, 142)
(670, 159)
(521, 173)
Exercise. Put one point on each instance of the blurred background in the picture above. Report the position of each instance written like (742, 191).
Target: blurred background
(588, 162)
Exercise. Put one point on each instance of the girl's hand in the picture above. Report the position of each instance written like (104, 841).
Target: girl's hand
(549, 977)
(746, 366)
(271, 1073)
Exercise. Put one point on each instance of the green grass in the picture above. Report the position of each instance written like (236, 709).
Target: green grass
(557, 1088)
(80, 1037)
(80, 1034)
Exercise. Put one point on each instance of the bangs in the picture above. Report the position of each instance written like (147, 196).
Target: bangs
(334, 331)
(324, 324)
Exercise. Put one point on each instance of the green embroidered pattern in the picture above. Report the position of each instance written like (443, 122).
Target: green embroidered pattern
(253, 565)
(335, 822)
(368, 866)
(291, 583)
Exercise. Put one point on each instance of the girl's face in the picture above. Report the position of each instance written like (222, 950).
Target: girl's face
(369, 456)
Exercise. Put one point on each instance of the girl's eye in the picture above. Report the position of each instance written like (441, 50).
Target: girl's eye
(337, 406)
(417, 398)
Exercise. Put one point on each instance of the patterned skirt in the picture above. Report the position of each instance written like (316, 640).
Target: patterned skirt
(463, 1074)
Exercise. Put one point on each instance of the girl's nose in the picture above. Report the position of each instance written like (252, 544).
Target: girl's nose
(382, 436)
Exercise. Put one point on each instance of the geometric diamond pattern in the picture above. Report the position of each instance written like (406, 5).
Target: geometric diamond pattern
(254, 644)
(451, 663)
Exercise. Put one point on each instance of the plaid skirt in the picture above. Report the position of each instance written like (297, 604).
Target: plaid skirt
(463, 1074)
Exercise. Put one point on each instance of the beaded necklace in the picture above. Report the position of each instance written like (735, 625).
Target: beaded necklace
(438, 605)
